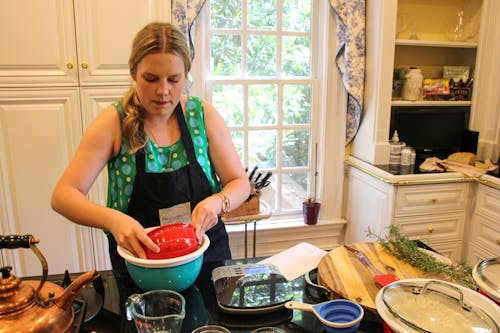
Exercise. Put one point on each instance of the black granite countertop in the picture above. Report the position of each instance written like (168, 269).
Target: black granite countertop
(202, 308)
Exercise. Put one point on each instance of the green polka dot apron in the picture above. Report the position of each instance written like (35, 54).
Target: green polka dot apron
(155, 191)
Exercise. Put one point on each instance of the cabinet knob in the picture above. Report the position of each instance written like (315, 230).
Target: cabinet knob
(85, 65)
(430, 230)
(69, 65)
(434, 201)
(498, 241)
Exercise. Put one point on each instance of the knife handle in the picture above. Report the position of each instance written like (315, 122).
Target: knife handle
(363, 259)
(368, 263)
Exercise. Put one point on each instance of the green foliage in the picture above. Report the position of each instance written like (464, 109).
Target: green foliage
(225, 14)
(262, 104)
(407, 250)
(255, 56)
(226, 55)
(295, 144)
(261, 54)
(262, 14)
(297, 104)
(294, 19)
(296, 56)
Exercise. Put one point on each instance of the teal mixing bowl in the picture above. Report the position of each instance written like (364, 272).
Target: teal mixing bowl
(175, 274)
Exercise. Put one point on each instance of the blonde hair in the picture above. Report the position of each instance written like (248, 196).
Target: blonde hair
(155, 37)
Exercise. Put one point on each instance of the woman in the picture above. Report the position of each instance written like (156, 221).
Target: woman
(162, 149)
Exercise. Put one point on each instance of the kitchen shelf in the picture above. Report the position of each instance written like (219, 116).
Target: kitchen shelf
(433, 43)
(430, 103)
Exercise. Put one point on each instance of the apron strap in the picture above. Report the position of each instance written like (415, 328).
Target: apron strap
(185, 135)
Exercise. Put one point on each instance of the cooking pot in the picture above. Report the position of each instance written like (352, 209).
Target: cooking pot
(486, 274)
(426, 305)
(36, 306)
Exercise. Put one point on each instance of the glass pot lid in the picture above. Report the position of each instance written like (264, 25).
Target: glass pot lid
(435, 306)
(487, 275)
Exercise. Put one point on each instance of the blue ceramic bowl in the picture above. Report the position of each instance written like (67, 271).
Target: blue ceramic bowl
(175, 274)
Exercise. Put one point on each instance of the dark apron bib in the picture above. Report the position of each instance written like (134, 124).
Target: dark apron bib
(154, 191)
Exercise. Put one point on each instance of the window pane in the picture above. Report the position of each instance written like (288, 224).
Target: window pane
(238, 143)
(225, 14)
(228, 100)
(262, 148)
(269, 192)
(266, 97)
(226, 55)
(297, 15)
(297, 103)
(261, 55)
(294, 190)
(262, 104)
(262, 14)
(296, 56)
(296, 148)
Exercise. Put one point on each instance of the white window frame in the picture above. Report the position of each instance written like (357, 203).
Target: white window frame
(330, 106)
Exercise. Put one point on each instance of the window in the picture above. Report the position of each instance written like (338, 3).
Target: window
(260, 72)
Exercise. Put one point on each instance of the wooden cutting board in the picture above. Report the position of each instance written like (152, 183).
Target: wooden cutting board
(347, 277)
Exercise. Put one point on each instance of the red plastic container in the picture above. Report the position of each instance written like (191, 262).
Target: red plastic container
(174, 239)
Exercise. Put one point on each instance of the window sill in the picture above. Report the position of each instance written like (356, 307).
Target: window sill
(274, 236)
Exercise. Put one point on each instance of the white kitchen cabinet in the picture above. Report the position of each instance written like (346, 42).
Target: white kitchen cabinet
(430, 51)
(484, 233)
(104, 34)
(94, 99)
(71, 42)
(38, 43)
(433, 209)
(428, 40)
(367, 205)
(61, 62)
(434, 214)
(40, 129)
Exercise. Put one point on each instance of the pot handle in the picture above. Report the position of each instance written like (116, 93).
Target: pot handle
(421, 290)
(27, 241)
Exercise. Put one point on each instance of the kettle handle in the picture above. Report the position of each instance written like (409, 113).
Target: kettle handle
(27, 241)
(15, 241)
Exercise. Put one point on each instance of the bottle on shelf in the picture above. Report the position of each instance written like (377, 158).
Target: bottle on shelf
(395, 153)
(412, 87)
(407, 160)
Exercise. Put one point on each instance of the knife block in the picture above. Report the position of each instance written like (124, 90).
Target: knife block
(250, 207)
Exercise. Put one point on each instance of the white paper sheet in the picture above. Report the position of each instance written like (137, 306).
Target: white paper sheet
(297, 260)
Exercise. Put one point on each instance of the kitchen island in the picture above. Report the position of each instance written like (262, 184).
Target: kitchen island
(202, 308)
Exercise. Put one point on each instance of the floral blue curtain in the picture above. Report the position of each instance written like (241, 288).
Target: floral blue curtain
(184, 13)
(350, 58)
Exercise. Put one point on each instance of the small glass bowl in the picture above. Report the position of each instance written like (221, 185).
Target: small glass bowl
(269, 330)
(211, 329)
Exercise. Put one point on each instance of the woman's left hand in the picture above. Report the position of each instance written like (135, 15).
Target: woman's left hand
(206, 215)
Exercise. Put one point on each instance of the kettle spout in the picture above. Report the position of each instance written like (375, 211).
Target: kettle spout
(66, 299)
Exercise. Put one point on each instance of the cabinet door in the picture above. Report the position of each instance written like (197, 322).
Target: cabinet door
(39, 131)
(105, 30)
(38, 43)
(94, 99)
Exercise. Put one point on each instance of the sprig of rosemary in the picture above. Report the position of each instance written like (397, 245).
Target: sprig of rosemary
(407, 250)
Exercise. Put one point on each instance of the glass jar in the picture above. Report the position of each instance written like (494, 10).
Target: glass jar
(412, 87)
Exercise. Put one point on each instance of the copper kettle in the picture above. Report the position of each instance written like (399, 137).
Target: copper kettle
(36, 306)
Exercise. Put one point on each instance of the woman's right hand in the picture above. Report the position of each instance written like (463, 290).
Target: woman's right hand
(130, 235)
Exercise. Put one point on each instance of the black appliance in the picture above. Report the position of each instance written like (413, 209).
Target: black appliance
(433, 131)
